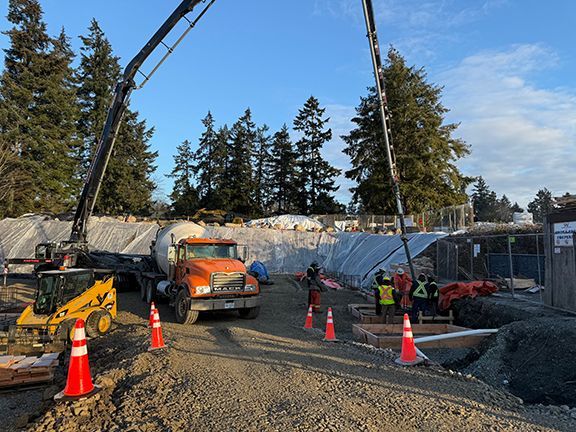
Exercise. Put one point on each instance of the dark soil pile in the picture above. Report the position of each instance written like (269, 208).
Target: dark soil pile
(532, 359)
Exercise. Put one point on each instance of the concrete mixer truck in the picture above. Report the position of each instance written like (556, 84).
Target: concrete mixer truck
(197, 273)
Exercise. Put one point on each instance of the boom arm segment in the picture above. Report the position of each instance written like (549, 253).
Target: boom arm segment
(385, 115)
(119, 104)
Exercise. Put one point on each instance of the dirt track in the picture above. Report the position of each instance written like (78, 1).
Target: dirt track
(227, 374)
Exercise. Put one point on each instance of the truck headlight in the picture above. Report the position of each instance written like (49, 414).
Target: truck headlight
(202, 290)
(250, 288)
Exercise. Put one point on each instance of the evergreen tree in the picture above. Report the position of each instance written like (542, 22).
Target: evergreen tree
(315, 179)
(208, 167)
(127, 186)
(283, 173)
(37, 114)
(424, 147)
(516, 208)
(541, 205)
(98, 73)
(222, 194)
(504, 210)
(239, 185)
(184, 196)
(484, 201)
(262, 161)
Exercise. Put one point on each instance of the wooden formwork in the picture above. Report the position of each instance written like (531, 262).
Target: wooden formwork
(390, 335)
(366, 313)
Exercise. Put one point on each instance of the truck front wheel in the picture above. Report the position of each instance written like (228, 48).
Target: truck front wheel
(183, 313)
(249, 313)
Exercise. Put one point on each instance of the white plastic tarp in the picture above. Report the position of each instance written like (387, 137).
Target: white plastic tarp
(287, 222)
(358, 255)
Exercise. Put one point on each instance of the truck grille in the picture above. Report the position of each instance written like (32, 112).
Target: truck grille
(220, 282)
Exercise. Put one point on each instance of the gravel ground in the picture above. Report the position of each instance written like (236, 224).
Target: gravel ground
(269, 374)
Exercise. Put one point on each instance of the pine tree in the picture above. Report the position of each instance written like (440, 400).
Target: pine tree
(184, 196)
(504, 210)
(127, 185)
(221, 155)
(541, 205)
(239, 182)
(484, 201)
(262, 161)
(98, 73)
(208, 167)
(424, 147)
(38, 113)
(283, 173)
(315, 175)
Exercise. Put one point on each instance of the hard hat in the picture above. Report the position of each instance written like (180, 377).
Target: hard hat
(400, 271)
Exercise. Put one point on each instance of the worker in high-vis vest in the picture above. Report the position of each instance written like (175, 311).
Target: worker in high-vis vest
(419, 296)
(402, 284)
(384, 295)
(314, 286)
(433, 295)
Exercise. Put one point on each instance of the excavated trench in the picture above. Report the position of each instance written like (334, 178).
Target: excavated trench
(532, 356)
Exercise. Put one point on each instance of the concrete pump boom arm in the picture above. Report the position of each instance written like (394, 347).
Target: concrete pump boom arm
(119, 104)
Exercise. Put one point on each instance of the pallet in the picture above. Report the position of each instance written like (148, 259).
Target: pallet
(21, 370)
(436, 318)
(390, 335)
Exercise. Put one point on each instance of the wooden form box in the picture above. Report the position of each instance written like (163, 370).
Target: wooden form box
(390, 335)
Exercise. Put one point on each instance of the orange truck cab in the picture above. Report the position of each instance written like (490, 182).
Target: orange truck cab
(205, 274)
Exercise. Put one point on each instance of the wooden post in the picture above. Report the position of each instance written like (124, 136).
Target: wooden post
(511, 266)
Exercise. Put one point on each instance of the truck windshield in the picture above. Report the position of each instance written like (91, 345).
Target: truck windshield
(46, 298)
(211, 251)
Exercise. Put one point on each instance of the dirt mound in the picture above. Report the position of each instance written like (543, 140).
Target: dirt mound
(533, 360)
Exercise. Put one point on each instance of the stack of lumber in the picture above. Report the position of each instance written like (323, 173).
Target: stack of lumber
(22, 370)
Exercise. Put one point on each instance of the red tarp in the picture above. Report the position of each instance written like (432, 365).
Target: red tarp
(460, 290)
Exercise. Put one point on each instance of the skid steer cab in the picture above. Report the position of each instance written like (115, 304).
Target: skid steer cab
(63, 296)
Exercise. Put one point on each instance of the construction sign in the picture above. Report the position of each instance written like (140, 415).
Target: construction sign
(564, 234)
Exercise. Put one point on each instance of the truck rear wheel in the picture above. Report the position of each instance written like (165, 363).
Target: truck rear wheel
(143, 285)
(98, 323)
(183, 313)
(150, 291)
(249, 313)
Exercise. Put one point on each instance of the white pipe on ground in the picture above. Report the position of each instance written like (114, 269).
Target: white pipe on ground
(421, 354)
(454, 335)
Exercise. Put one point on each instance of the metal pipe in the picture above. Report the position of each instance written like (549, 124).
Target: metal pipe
(511, 266)
(454, 335)
(539, 270)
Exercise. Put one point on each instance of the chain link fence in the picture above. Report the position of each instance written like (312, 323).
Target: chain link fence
(515, 261)
(449, 219)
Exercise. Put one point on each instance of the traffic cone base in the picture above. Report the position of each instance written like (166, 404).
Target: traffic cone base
(330, 334)
(408, 355)
(79, 381)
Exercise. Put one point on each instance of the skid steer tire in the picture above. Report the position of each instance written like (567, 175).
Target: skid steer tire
(98, 323)
(249, 313)
(182, 308)
(65, 332)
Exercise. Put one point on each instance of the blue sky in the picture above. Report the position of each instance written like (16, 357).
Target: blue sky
(507, 67)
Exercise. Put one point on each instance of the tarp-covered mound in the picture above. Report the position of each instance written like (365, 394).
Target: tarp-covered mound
(280, 251)
(19, 237)
(356, 257)
(287, 222)
(458, 290)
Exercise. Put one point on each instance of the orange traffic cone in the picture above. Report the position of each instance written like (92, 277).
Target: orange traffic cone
(157, 339)
(152, 309)
(408, 355)
(79, 382)
(308, 324)
(330, 334)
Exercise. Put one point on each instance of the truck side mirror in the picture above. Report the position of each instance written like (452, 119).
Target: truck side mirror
(243, 252)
